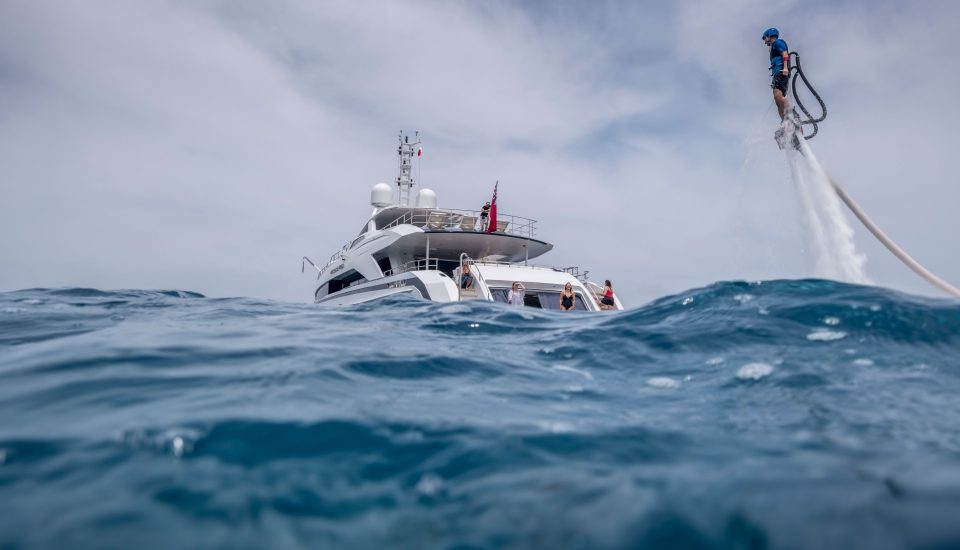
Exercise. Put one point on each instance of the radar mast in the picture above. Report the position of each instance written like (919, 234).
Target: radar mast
(406, 152)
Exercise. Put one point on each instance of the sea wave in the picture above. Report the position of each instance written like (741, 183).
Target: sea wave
(774, 414)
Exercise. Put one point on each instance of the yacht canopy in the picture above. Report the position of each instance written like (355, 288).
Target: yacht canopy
(448, 245)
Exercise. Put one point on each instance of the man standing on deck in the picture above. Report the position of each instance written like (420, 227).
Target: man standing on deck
(779, 68)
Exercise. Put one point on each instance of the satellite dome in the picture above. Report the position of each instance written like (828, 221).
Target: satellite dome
(381, 195)
(426, 198)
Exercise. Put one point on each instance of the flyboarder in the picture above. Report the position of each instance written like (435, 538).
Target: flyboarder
(779, 68)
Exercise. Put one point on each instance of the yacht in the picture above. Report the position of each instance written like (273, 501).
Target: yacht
(413, 247)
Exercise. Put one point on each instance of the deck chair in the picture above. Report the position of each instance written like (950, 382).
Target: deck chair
(435, 221)
(502, 226)
(468, 223)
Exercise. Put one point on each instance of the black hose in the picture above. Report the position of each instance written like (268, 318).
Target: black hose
(810, 120)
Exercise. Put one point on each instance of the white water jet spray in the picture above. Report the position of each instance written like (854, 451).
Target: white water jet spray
(828, 233)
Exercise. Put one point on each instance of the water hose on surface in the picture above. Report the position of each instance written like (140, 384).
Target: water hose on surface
(900, 253)
(810, 120)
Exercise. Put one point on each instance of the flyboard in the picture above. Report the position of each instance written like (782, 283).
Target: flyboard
(793, 126)
(793, 132)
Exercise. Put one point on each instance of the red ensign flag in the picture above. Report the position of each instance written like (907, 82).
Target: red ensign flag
(493, 210)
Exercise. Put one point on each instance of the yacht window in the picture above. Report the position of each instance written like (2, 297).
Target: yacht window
(532, 299)
(384, 264)
(347, 279)
(448, 266)
(540, 299)
(551, 300)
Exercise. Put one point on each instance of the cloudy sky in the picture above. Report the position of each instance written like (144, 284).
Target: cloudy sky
(207, 145)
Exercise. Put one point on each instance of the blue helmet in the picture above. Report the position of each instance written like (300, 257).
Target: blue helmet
(772, 31)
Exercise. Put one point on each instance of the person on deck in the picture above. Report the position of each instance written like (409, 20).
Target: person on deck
(466, 278)
(607, 301)
(779, 68)
(485, 217)
(515, 297)
(568, 300)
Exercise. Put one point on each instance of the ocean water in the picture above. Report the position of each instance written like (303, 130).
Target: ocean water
(783, 414)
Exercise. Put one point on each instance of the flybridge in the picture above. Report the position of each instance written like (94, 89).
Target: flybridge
(451, 219)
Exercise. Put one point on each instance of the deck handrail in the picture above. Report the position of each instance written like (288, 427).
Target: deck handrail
(478, 281)
(303, 265)
(573, 270)
(451, 218)
(413, 265)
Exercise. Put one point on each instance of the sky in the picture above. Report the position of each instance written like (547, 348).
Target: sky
(208, 145)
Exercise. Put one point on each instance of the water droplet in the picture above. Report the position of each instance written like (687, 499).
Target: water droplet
(687, 301)
(177, 446)
(429, 485)
(831, 321)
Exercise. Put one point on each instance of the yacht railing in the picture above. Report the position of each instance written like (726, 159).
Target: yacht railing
(595, 289)
(303, 265)
(446, 219)
(574, 270)
(413, 265)
(336, 256)
(464, 220)
(478, 281)
(580, 275)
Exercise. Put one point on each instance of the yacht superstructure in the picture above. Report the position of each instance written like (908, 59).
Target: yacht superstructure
(423, 250)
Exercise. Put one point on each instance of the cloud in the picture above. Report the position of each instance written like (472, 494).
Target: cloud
(207, 146)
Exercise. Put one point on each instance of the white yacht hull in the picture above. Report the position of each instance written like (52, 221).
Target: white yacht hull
(428, 285)
(490, 279)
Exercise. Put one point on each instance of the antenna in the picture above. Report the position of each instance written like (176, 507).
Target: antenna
(406, 151)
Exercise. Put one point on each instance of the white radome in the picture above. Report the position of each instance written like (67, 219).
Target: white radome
(426, 198)
(381, 195)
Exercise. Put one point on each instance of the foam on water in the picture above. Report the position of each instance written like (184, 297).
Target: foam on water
(822, 335)
(663, 382)
(754, 371)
